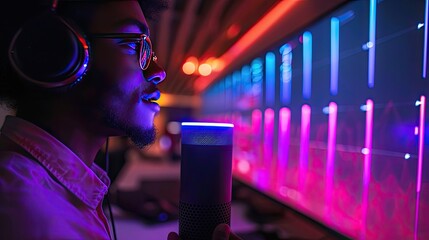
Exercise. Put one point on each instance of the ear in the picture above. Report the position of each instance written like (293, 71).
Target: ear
(49, 52)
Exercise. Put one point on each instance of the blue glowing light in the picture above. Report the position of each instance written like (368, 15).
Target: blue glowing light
(417, 103)
(407, 156)
(335, 53)
(371, 43)
(207, 124)
(325, 110)
(286, 74)
(307, 62)
(270, 73)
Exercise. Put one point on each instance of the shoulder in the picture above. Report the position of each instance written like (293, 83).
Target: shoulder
(26, 206)
(18, 169)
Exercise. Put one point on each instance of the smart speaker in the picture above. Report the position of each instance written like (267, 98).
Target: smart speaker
(205, 178)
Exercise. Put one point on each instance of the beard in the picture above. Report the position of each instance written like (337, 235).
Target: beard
(141, 137)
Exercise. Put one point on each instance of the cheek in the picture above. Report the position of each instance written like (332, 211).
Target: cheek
(115, 70)
(110, 60)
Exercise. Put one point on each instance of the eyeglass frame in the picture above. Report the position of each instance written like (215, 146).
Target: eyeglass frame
(139, 37)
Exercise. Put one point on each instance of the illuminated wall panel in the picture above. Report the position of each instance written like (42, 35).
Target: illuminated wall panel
(333, 120)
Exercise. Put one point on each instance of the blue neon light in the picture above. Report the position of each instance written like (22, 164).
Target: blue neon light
(257, 74)
(270, 77)
(371, 55)
(307, 62)
(246, 79)
(207, 124)
(236, 86)
(335, 53)
(286, 74)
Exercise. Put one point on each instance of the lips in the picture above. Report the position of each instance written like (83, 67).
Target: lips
(151, 97)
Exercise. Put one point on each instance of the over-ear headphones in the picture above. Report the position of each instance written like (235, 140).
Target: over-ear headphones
(49, 51)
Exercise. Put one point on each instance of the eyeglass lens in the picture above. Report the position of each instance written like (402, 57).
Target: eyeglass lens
(145, 53)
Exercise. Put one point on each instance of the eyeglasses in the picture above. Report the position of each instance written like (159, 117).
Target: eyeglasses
(145, 55)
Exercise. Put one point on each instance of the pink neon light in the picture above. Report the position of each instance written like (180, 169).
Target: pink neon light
(263, 173)
(268, 136)
(305, 142)
(421, 141)
(283, 147)
(332, 139)
(256, 129)
(367, 162)
(419, 173)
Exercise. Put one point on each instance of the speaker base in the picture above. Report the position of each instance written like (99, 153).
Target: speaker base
(197, 222)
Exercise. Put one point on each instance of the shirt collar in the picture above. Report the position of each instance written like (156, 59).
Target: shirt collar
(89, 184)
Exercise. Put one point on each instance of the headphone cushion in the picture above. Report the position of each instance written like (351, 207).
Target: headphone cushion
(47, 50)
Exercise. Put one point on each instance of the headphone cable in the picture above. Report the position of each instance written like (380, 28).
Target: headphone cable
(108, 192)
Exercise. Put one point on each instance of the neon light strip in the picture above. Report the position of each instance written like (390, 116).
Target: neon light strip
(286, 74)
(236, 87)
(421, 141)
(304, 146)
(367, 162)
(283, 145)
(307, 64)
(270, 73)
(420, 159)
(268, 136)
(332, 139)
(256, 129)
(371, 56)
(425, 47)
(335, 46)
(207, 124)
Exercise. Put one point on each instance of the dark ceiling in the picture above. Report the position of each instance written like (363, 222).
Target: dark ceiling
(209, 28)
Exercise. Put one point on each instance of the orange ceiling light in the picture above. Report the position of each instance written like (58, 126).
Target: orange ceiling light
(249, 38)
(205, 69)
(190, 66)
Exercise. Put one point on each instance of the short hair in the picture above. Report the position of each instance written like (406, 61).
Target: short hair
(14, 13)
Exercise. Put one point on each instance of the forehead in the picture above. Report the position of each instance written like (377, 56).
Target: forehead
(119, 16)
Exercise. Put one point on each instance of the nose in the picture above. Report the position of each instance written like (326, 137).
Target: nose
(154, 73)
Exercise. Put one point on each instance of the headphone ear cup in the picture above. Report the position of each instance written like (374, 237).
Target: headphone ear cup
(49, 52)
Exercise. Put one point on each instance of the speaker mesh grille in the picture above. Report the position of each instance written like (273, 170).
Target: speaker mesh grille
(206, 135)
(197, 222)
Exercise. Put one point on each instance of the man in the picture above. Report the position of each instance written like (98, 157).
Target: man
(77, 72)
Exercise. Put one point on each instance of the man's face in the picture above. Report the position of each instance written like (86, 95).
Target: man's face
(119, 89)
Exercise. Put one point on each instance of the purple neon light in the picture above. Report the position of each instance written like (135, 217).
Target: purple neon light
(256, 128)
(420, 163)
(268, 136)
(425, 46)
(421, 141)
(367, 162)
(332, 138)
(263, 173)
(305, 142)
(283, 145)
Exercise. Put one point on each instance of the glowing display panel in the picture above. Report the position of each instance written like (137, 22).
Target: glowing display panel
(345, 141)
